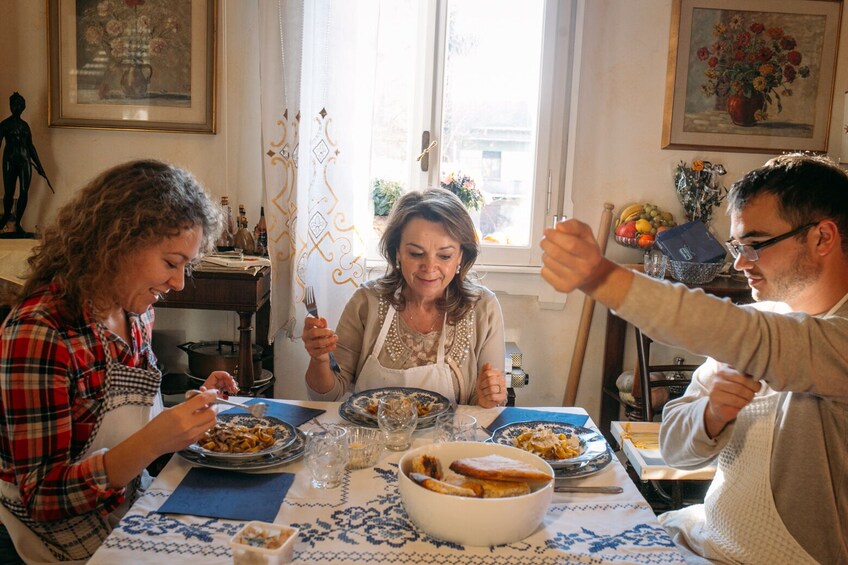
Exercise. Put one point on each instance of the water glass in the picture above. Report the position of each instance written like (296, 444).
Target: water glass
(397, 416)
(655, 264)
(326, 456)
(452, 426)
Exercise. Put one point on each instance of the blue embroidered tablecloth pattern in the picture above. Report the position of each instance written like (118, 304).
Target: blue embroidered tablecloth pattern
(363, 521)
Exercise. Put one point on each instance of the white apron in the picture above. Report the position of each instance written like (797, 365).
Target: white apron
(131, 401)
(435, 377)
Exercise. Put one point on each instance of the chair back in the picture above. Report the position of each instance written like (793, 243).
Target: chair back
(645, 384)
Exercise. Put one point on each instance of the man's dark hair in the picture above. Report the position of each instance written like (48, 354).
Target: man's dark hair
(809, 188)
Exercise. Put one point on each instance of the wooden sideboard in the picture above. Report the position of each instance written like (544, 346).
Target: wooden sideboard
(614, 342)
(244, 292)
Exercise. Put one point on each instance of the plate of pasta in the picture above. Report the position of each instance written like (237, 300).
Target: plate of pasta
(430, 404)
(242, 437)
(561, 445)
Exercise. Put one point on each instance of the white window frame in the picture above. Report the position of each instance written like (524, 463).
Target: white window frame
(512, 269)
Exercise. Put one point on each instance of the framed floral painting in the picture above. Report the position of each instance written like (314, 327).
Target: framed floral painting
(757, 78)
(132, 64)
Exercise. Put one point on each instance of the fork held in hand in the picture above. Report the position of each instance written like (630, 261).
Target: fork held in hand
(312, 308)
(256, 410)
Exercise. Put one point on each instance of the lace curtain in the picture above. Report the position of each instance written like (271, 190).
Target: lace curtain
(316, 70)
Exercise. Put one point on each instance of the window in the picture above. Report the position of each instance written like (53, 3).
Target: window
(478, 77)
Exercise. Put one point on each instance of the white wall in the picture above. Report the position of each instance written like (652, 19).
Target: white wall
(617, 159)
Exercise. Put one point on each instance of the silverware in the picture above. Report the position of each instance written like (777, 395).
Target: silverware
(312, 308)
(601, 490)
(257, 410)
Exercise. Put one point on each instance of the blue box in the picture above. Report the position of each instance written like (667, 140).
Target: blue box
(691, 242)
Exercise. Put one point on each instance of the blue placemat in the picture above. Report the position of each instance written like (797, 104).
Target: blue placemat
(215, 493)
(510, 415)
(294, 415)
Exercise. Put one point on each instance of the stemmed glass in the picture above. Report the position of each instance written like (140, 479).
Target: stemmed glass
(397, 416)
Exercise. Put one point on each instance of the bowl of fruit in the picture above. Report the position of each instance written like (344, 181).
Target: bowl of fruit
(637, 225)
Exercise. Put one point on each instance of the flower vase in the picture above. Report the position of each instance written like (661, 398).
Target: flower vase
(743, 110)
(136, 79)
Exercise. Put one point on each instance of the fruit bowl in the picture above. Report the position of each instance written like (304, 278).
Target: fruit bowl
(631, 242)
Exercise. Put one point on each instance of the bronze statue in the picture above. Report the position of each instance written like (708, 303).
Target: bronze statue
(18, 158)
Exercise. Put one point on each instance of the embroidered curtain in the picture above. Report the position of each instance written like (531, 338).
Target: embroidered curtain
(316, 70)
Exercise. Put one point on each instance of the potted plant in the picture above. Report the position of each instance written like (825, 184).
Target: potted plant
(699, 188)
(465, 188)
(384, 194)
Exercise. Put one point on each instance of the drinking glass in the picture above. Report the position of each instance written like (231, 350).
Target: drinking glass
(397, 416)
(452, 426)
(326, 456)
(655, 263)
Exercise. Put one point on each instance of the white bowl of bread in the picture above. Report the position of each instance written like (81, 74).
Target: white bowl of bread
(472, 493)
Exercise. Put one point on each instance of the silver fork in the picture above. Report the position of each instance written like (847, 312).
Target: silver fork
(256, 410)
(312, 308)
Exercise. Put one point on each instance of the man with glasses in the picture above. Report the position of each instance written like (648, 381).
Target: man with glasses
(770, 404)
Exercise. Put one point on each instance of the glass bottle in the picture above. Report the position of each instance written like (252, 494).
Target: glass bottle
(243, 239)
(225, 241)
(260, 232)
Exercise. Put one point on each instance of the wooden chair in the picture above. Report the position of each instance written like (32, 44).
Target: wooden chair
(673, 493)
(642, 391)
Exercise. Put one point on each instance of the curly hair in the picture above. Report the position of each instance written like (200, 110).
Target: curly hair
(445, 208)
(126, 208)
(808, 188)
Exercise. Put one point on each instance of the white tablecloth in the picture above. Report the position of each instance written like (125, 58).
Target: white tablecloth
(363, 521)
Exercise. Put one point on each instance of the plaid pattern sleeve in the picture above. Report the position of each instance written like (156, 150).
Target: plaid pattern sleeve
(51, 388)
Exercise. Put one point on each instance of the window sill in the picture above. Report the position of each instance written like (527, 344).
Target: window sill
(516, 281)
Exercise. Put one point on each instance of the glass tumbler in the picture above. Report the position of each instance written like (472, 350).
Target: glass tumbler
(454, 427)
(655, 264)
(397, 416)
(326, 456)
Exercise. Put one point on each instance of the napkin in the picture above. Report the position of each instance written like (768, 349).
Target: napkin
(215, 493)
(294, 415)
(510, 415)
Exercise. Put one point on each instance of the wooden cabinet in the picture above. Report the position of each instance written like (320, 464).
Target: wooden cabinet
(244, 292)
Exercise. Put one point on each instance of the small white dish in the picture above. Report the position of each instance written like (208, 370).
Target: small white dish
(263, 542)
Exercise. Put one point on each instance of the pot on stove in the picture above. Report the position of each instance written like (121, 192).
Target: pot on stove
(204, 357)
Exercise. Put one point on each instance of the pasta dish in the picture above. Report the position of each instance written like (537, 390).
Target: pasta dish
(227, 437)
(548, 445)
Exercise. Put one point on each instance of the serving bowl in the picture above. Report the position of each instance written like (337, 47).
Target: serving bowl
(694, 273)
(474, 521)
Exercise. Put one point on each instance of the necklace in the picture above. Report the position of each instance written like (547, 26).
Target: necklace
(415, 323)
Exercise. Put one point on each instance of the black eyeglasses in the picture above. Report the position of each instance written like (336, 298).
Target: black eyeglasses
(750, 250)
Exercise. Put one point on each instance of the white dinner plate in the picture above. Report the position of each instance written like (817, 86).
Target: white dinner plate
(591, 444)
(284, 433)
(365, 403)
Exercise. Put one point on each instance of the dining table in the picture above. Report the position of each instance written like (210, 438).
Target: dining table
(363, 520)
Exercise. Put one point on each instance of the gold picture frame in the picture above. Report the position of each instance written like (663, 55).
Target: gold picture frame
(132, 64)
(758, 79)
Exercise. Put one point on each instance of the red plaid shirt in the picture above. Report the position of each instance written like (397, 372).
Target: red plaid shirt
(52, 387)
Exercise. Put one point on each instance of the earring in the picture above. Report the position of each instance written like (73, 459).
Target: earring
(458, 269)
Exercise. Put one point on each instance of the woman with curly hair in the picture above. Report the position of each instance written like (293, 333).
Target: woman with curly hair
(80, 411)
(424, 324)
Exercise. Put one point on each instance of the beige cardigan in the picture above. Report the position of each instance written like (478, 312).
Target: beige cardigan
(478, 338)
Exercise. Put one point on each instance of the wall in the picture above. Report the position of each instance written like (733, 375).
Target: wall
(617, 159)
